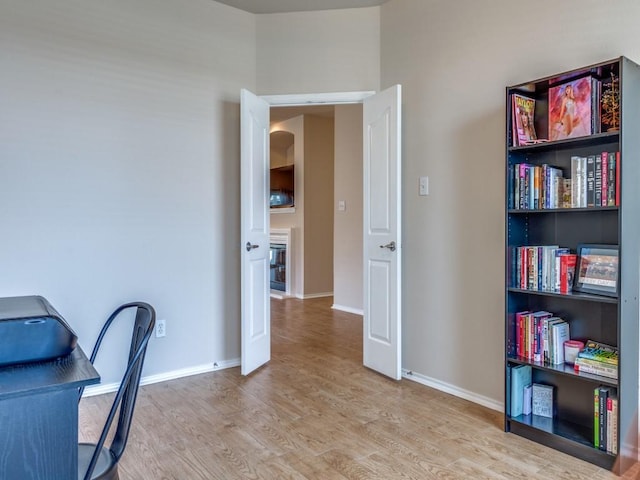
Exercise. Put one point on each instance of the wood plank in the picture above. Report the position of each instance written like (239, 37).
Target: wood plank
(314, 412)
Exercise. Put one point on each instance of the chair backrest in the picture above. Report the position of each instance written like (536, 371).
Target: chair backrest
(125, 398)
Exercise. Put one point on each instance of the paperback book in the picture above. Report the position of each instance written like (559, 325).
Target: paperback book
(601, 352)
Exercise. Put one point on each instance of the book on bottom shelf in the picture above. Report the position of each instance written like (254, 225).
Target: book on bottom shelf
(520, 378)
(605, 419)
(542, 400)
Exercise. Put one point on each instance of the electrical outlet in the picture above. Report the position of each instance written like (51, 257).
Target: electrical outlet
(161, 328)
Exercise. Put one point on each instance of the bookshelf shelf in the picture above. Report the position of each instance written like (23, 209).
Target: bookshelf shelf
(566, 436)
(585, 297)
(528, 211)
(564, 369)
(604, 209)
(569, 143)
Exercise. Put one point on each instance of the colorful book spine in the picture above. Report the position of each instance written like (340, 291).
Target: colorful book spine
(598, 181)
(600, 351)
(602, 409)
(605, 179)
(596, 418)
(602, 371)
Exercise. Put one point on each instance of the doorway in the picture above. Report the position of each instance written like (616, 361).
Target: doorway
(325, 223)
(382, 312)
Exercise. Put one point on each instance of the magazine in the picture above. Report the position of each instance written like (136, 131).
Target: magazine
(570, 109)
(523, 109)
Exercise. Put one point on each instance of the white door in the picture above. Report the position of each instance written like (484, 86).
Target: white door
(254, 232)
(382, 242)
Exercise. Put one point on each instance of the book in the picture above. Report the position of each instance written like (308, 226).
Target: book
(596, 417)
(567, 271)
(520, 378)
(571, 109)
(526, 402)
(542, 400)
(617, 182)
(538, 339)
(558, 334)
(602, 410)
(566, 193)
(612, 419)
(599, 180)
(591, 181)
(523, 109)
(611, 179)
(596, 368)
(556, 267)
(599, 351)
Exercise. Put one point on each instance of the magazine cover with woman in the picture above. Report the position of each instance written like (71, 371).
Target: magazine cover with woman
(570, 109)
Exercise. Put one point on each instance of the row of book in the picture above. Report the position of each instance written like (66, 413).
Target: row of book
(594, 182)
(576, 108)
(549, 268)
(540, 336)
(598, 359)
(528, 398)
(605, 419)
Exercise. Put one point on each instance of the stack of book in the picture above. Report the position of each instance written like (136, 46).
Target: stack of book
(595, 180)
(540, 336)
(599, 359)
(542, 267)
(605, 419)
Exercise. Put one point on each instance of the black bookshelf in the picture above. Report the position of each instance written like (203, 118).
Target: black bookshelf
(610, 320)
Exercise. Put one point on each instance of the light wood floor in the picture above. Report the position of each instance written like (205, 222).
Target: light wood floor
(314, 412)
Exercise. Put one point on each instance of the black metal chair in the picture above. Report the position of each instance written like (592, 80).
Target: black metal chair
(95, 461)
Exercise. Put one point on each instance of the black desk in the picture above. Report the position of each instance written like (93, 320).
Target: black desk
(39, 417)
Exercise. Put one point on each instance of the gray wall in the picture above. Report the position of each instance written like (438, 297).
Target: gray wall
(454, 60)
(119, 166)
(119, 154)
(347, 244)
(318, 52)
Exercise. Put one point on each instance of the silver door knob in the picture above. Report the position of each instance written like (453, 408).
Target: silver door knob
(251, 246)
(391, 246)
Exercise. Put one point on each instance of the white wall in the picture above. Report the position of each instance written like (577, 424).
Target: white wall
(454, 60)
(347, 253)
(119, 166)
(327, 51)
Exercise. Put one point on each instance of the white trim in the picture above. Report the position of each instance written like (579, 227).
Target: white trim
(453, 390)
(315, 295)
(342, 308)
(163, 377)
(298, 99)
(278, 295)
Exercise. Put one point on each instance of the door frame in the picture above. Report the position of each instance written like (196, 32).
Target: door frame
(316, 99)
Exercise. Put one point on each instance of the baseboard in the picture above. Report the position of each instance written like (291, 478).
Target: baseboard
(315, 295)
(453, 390)
(163, 377)
(342, 308)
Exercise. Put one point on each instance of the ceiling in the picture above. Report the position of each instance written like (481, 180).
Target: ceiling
(281, 6)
